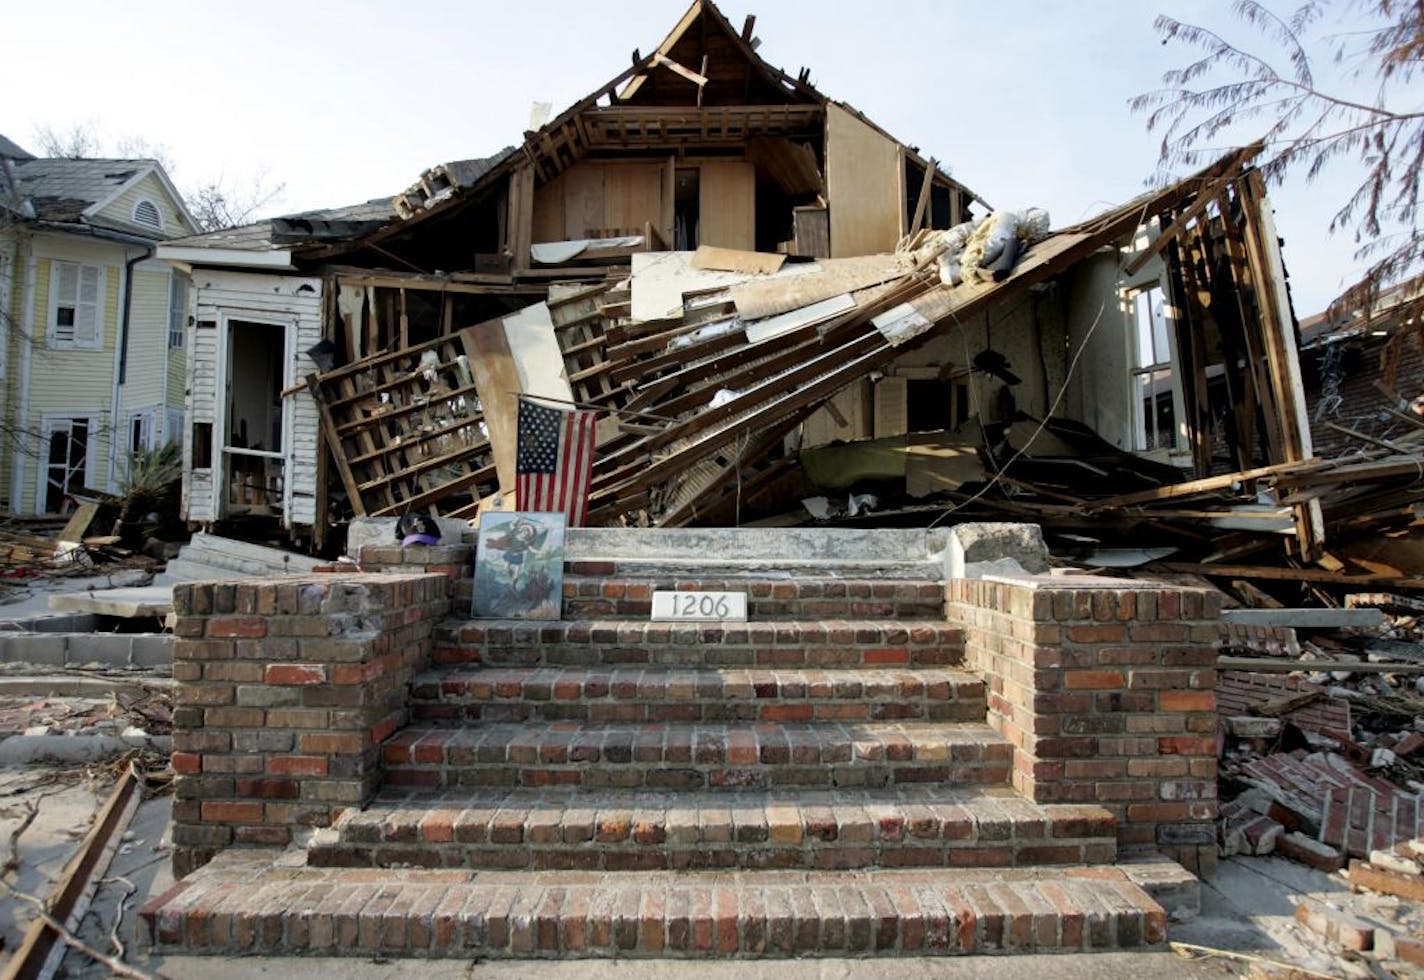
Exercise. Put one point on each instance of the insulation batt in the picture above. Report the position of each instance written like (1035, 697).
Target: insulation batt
(988, 249)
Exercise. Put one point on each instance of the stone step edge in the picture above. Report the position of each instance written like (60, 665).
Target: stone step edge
(643, 682)
(534, 630)
(621, 831)
(926, 741)
(893, 815)
(245, 901)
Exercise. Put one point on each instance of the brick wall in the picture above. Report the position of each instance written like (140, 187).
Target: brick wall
(1106, 690)
(454, 561)
(285, 690)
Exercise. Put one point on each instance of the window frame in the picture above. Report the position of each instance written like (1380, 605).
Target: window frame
(177, 312)
(1144, 437)
(57, 340)
(52, 422)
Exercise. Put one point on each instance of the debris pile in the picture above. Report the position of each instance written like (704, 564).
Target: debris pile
(123, 713)
(969, 375)
(1326, 763)
(1384, 921)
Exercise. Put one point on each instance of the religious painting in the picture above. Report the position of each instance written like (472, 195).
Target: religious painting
(519, 566)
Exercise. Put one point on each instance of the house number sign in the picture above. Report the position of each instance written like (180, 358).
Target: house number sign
(700, 606)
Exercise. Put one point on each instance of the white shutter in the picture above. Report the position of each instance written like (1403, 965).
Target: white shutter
(75, 320)
(86, 313)
(66, 297)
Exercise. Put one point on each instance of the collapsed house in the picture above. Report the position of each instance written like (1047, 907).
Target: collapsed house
(771, 300)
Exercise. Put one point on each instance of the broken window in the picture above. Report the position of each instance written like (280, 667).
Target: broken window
(1154, 382)
(66, 467)
(174, 426)
(74, 322)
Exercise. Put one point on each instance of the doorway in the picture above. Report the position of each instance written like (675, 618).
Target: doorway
(254, 419)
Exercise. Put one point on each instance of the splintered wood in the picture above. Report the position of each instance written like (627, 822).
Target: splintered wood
(707, 365)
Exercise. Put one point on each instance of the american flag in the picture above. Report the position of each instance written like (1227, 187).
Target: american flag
(554, 460)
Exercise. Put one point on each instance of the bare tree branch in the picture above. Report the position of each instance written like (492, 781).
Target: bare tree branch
(1279, 98)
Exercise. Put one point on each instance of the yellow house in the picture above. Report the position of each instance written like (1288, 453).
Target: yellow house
(92, 327)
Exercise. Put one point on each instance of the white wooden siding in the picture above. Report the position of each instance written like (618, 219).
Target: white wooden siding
(295, 301)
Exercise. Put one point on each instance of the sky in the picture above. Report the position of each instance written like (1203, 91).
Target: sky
(341, 101)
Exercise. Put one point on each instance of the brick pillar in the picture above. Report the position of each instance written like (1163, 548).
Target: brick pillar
(454, 561)
(286, 688)
(1106, 689)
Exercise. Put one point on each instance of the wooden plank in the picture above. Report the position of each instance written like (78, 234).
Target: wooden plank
(922, 204)
(1179, 224)
(863, 181)
(1355, 433)
(633, 196)
(497, 383)
(78, 523)
(521, 215)
(1364, 875)
(1275, 573)
(694, 77)
(1191, 487)
(68, 902)
(727, 204)
(717, 259)
(338, 451)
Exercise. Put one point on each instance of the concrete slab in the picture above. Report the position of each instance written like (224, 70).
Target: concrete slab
(152, 601)
(1305, 618)
(365, 532)
(727, 545)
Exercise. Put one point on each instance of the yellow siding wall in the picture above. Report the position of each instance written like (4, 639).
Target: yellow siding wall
(72, 382)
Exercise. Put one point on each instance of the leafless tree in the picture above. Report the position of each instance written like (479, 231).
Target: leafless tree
(219, 203)
(1307, 122)
(214, 203)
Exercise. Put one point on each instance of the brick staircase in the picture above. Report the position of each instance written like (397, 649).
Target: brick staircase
(819, 780)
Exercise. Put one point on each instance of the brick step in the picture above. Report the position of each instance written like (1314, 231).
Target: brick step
(653, 694)
(592, 643)
(630, 595)
(246, 902)
(915, 826)
(677, 756)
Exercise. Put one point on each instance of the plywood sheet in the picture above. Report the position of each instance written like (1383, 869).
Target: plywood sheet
(801, 285)
(584, 202)
(850, 419)
(864, 179)
(891, 417)
(529, 334)
(549, 212)
(633, 197)
(727, 204)
(497, 383)
(736, 260)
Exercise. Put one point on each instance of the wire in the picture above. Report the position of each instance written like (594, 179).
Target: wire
(1063, 390)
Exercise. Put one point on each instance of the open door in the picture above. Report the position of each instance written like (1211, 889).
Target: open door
(254, 422)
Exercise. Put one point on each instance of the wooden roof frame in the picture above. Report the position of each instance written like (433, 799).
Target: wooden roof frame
(529, 151)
